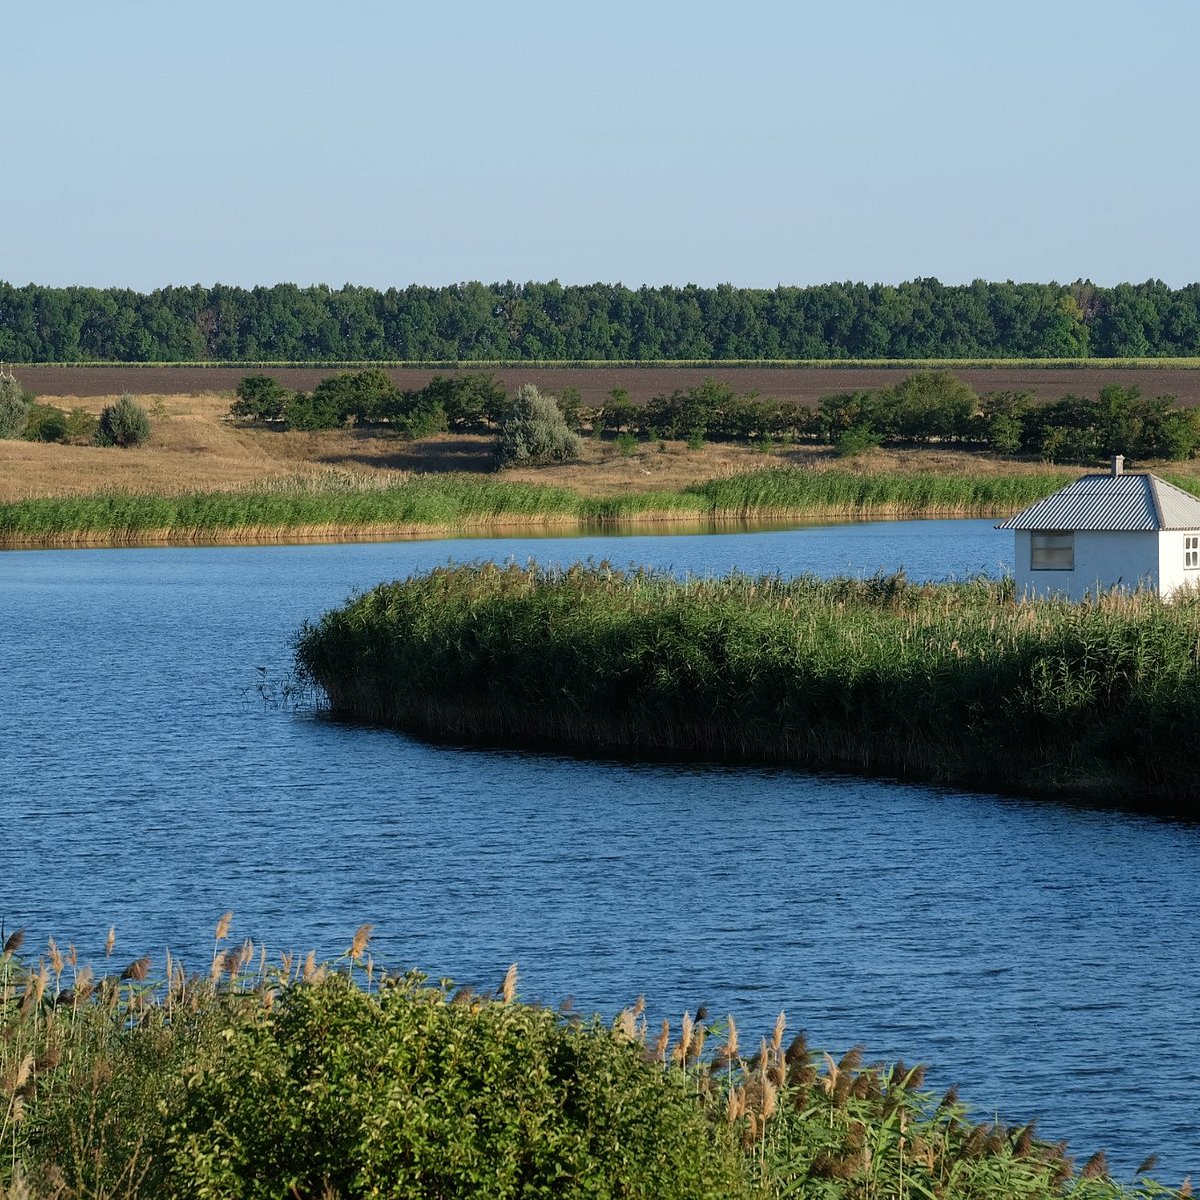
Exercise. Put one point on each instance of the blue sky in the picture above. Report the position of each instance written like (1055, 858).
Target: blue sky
(657, 142)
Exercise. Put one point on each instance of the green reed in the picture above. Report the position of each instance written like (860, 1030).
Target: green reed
(342, 505)
(924, 494)
(956, 683)
(284, 1076)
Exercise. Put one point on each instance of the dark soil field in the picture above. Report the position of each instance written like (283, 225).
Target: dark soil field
(804, 383)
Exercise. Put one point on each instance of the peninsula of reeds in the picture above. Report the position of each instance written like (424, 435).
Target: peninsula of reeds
(285, 1077)
(955, 683)
(344, 507)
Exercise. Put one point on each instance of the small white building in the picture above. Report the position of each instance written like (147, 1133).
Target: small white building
(1121, 529)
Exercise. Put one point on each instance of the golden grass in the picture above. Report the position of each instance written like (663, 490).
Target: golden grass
(195, 447)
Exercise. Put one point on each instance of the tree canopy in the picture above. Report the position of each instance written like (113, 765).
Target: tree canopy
(497, 322)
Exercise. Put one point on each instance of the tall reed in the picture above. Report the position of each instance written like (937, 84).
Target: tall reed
(342, 506)
(957, 683)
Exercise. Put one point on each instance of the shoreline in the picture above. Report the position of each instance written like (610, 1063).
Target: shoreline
(452, 505)
(747, 521)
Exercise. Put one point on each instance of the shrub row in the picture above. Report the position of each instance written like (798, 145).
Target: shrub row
(123, 423)
(463, 402)
(926, 407)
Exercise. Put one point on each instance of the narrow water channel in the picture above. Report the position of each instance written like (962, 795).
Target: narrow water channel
(1040, 955)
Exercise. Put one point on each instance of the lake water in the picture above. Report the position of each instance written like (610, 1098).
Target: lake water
(1043, 956)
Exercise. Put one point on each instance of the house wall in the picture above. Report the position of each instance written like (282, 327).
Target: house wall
(1172, 573)
(1102, 560)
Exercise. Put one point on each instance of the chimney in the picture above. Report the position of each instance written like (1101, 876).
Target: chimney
(1118, 464)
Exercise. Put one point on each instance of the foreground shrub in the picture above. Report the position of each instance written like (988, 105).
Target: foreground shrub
(123, 424)
(15, 403)
(534, 430)
(404, 1094)
(308, 1080)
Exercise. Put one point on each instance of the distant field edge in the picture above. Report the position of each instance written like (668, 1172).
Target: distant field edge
(782, 364)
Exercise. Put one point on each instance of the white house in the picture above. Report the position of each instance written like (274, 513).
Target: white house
(1121, 529)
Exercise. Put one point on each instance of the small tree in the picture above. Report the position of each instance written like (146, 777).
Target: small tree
(619, 413)
(534, 431)
(570, 404)
(259, 398)
(123, 424)
(15, 403)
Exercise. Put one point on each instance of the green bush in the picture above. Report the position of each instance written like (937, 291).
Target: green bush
(15, 403)
(123, 424)
(260, 398)
(534, 431)
(928, 405)
(856, 440)
(423, 417)
(627, 444)
(81, 426)
(403, 1093)
(45, 423)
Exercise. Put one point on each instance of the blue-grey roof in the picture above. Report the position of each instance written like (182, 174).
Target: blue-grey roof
(1132, 502)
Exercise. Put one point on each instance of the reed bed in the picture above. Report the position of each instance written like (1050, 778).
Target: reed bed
(289, 1077)
(769, 493)
(957, 683)
(341, 505)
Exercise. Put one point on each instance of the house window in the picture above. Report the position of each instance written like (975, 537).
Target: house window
(1191, 550)
(1053, 552)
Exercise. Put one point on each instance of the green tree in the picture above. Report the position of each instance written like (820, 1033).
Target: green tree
(927, 406)
(1003, 417)
(619, 413)
(15, 403)
(534, 431)
(260, 398)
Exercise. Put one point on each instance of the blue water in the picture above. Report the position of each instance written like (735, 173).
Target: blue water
(1040, 955)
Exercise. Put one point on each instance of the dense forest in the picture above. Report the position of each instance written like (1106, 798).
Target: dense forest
(550, 321)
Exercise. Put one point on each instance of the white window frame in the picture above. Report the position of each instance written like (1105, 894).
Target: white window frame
(1191, 551)
(1052, 550)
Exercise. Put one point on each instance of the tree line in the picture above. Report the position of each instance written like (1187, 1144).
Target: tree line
(925, 408)
(500, 322)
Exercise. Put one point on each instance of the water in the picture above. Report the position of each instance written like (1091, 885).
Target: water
(1042, 956)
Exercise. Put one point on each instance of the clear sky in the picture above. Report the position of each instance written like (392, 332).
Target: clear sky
(640, 141)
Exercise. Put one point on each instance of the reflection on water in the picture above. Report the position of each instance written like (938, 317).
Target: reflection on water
(1039, 955)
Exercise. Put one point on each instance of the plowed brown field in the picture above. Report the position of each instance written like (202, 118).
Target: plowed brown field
(806, 384)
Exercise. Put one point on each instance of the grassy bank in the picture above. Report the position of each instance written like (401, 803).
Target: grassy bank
(954, 683)
(343, 1080)
(342, 506)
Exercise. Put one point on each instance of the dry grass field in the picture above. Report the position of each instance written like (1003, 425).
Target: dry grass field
(194, 446)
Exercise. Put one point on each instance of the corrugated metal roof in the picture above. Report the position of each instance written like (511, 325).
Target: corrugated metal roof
(1130, 502)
